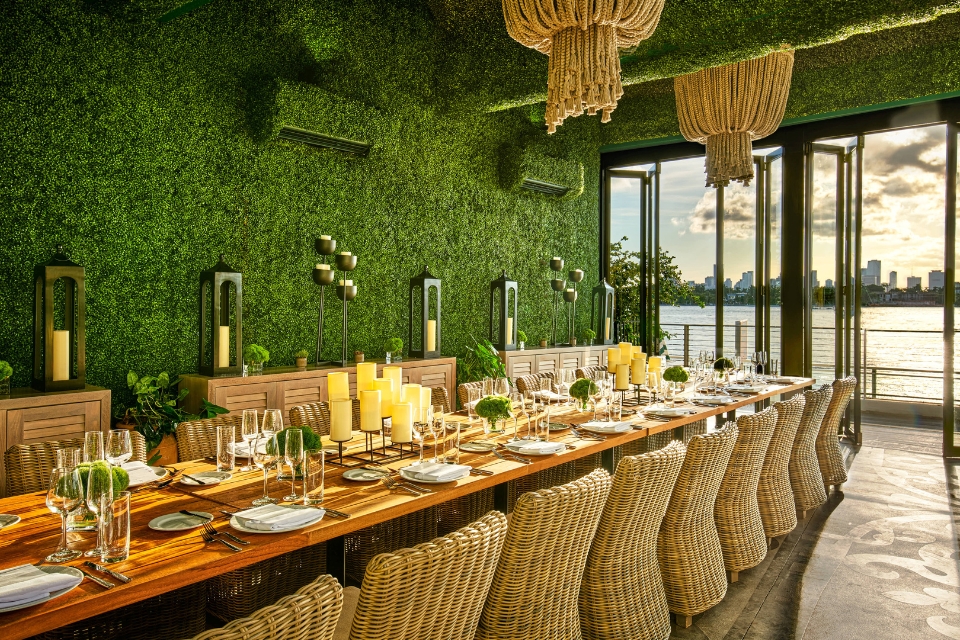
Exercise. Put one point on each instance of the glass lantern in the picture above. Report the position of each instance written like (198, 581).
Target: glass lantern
(424, 337)
(59, 356)
(216, 324)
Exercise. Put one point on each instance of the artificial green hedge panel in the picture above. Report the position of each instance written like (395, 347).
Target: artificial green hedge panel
(519, 163)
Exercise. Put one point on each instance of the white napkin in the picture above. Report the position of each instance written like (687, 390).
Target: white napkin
(245, 448)
(536, 447)
(608, 427)
(754, 388)
(139, 472)
(713, 399)
(548, 395)
(26, 583)
(437, 471)
(273, 517)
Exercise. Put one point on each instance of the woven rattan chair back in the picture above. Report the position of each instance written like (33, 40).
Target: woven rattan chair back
(434, 590)
(736, 511)
(688, 548)
(139, 446)
(198, 438)
(28, 466)
(537, 582)
(438, 396)
(309, 614)
(622, 593)
(829, 457)
(462, 391)
(315, 415)
(774, 495)
(806, 481)
(590, 372)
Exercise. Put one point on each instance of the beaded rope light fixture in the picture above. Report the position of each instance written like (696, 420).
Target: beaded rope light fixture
(582, 39)
(728, 107)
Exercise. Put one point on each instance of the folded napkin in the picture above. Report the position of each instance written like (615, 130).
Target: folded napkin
(26, 584)
(436, 471)
(713, 399)
(755, 388)
(139, 472)
(246, 448)
(536, 447)
(273, 517)
(607, 427)
(546, 394)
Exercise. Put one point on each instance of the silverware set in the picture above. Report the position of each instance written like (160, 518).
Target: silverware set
(584, 436)
(209, 537)
(510, 457)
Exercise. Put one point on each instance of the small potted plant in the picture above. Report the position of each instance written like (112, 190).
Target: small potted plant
(676, 377)
(358, 356)
(582, 390)
(394, 349)
(521, 339)
(721, 367)
(494, 410)
(588, 336)
(543, 343)
(301, 358)
(5, 372)
(254, 356)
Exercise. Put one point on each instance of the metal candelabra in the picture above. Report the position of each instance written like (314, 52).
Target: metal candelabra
(323, 277)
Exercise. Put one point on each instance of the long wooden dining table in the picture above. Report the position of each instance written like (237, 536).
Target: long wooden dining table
(160, 562)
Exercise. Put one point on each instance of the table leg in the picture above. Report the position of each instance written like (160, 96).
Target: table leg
(500, 497)
(337, 559)
(606, 460)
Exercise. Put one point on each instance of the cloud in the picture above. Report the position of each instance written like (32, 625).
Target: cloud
(739, 217)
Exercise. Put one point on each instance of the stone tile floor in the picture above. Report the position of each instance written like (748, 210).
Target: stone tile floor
(879, 560)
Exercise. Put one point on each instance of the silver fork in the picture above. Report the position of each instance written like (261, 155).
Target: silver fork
(390, 483)
(209, 538)
(510, 457)
(209, 528)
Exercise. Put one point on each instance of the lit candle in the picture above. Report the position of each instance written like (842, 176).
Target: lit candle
(623, 377)
(638, 369)
(509, 330)
(324, 237)
(636, 352)
(626, 348)
(323, 267)
(385, 387)
(655, 363)
(370, 411)
(61, 355)
(402, 429)
(613, 359)
(431, 335)
(606, 332)
(346, 283)
(338, 386)
(345, 253)
(366, 372)
(341, 419)
(224, 356)
(556, 258)
(394, 374)
(411, 393)
(426, 397)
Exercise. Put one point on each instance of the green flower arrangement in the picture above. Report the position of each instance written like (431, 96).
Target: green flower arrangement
(676, 374)
(494, 408)
(521, 336)
(394, 345)
(255, 354)
(5, 370)
(582, 389)
(722, 364)
(98, 471)
(310, 439)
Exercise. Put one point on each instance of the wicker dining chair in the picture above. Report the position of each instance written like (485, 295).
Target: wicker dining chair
(139, 446)
(774, 495)
(438, 396)
(434, 590)
(402, 532)
(528, 383)
(28, 466)
(315, 415)
(590, 372)
(197, 439)
(622, 593)
(806, 481)
(829, 457)
(309, 614)
(537, 582)
(735, 511)
(688, 547)
(462, 391)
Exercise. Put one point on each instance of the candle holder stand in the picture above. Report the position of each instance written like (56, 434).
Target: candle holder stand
(372, 454)
(323, 278)
(558, 284)
(570, 298)
(575, 276)
(346, 293)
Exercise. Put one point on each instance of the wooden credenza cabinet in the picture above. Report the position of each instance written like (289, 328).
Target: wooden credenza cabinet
(286, 387)
(550, 359)
(28, 416)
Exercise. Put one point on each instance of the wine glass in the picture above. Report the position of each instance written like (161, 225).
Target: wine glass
(99, 498)
(487, 387)
(435, 420)
(293, 455)
(501, 387)
(272, 422)
(249, 430)
(516, 401)
(420, 430)
(265, 455)
(531, 416)
(64, 495)
(118, 449)
(473, 395)
(92, 446)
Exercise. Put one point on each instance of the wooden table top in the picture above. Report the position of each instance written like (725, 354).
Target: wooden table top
(163, 561)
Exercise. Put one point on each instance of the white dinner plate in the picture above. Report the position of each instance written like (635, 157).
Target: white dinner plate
(239, 527)
(49, 568)
(209, 478)
(8, 520)
(516, 448)
(716, 400)
(410, 477)
(669, 413)
(478, 446)
(160, 472)
(178, 521)
(607, 431)
(747, 388)
(364, 475)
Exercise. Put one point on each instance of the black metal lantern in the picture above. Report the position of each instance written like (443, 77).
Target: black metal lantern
(503, 313)
(601, 312)
(215, 322)
(59, 357)
(424, 337)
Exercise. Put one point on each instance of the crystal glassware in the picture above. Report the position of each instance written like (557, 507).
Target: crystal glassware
(501, 387)
(272, 422)
(92, 446)
(516, 401)
(265, 455)
(249, 430)
(99, 498)
(452, 450)
(118, 448)
(314, 469)
(473, 396)
(116, 529)
(64, 495)
(487, 387)
(420, 431)
(226, 447)
(293, 456)
(436, 420)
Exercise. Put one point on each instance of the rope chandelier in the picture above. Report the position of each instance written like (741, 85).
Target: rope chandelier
(582, 39)
(728, 107)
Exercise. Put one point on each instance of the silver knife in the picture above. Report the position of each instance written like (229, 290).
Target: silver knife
(106, 584)
(110, 572)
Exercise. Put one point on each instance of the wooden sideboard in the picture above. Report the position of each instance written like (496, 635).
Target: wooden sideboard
(287, 387)
(549, 359)
(28, 416)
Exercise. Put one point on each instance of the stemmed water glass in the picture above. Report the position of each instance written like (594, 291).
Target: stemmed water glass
(265, 455)
(293, 455)
(435, 418)
(92, 446)
(99, 499)
(531, 416)
(516, 400)
(118, 449)
(272, 422)
(473, 395)
(488, 387)
(249, 430)
(64, 495)
(421, 429)
(501, 386)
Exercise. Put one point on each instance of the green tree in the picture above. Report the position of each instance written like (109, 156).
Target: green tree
(625, 277)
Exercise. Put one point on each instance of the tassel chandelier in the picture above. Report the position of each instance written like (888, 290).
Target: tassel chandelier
(582, 39)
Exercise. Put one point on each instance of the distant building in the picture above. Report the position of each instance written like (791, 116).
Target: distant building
(710, 283)
(913, 281)
(728, 284)
(873, 269)
(936, 279)
(893, 280)
(745, 282)
(775, 282)
(828, 284)
(814, 282)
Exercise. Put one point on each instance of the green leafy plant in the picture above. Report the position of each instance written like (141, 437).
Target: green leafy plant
(521, 336)
(494, 408)
(255, 354)
(5, 370)
(310, 439)
(481, 361)
(676, 374)
(99, 469)
(302, 353)
(722, 364)
(588, 335)
(582, 389)
(393, 345)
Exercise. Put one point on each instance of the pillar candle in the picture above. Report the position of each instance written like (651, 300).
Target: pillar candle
(385, 387)
(431, 335)
(323, 267)
(636, 352)
(623, 377)
(638, 369)
(61, 355)
(426, 397)
(338, 386)
(626, 348)
(509, 330)
(346, 283)
(402, 429)
(366, 372)
(396, 375)
(324, 237)
(370, 411)
(411, 393)
(655, 363)
(341, 419)
(606, 330)
(613, 359)
(345, 253)
(224, 355)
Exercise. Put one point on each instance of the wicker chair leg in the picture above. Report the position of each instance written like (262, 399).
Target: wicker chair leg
(734, 576)
(684, 622)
